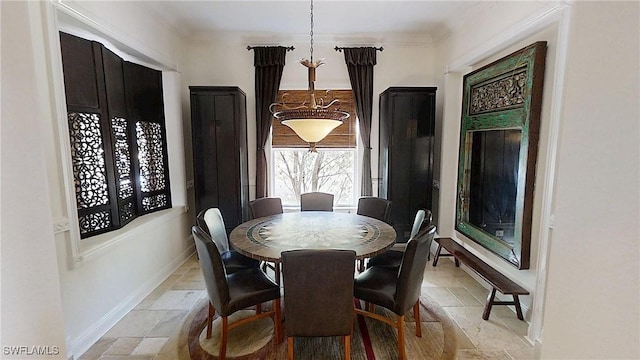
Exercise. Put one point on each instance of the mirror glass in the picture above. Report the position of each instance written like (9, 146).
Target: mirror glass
(493, 183)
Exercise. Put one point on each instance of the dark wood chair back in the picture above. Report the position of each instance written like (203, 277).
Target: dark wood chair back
(265, 207)
(211, 221)
(316, 201)
(318, 294)
(422, 219)
(411, 271)
(375, 207)
(397, 289)
(233, 261)
(215, 276)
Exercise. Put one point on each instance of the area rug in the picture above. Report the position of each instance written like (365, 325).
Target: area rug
(372, 339)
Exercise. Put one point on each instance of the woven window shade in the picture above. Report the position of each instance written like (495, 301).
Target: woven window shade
(344, 136)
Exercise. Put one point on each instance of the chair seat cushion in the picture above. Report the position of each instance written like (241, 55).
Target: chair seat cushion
(234, 261)
(390, 259)
(249, 287)
(377, 285)
(399, 247)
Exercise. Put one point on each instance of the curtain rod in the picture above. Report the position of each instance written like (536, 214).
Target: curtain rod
(289, 48)
(339, 49)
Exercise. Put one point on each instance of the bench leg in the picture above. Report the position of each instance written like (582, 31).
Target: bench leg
(489, 305)
(516, 303)
(437, 256)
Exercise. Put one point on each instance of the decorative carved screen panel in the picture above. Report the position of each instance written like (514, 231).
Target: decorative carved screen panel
(151, 163)
(150, 154)
(90, 172)
(87, 155)
(498, 149)
(109, 147)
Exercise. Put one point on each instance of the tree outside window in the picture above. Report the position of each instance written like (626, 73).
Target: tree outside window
(298, 171)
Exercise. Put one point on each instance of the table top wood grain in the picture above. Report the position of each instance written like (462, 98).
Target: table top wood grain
(267, 237)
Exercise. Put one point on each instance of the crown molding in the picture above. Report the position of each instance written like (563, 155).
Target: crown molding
(262, 39)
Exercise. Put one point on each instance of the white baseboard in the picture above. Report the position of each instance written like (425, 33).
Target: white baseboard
(78, 346)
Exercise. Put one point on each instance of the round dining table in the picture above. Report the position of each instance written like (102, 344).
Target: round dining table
(267, 237)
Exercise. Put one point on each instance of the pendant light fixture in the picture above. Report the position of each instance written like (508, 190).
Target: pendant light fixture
(312, 120)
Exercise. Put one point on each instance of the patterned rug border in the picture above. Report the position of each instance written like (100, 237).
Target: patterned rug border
(194, 323)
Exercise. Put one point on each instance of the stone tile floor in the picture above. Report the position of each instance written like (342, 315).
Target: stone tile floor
(150, 330)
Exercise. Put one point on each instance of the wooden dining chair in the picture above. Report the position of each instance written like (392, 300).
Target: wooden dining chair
(316, 201)
(375, 207)
(393, 257)
(398, 290)
(212, 224)
(318, 296)
(229, 293)
(265, 206)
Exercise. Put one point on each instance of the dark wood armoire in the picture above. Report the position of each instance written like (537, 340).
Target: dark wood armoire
(219, 138)
(407, 121)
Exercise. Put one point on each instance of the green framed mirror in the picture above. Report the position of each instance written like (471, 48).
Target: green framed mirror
(498, 149)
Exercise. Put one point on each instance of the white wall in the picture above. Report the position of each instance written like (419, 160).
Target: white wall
(31, 300)
(96, 281)
(471, 46)
(592, 307)
(223, 60)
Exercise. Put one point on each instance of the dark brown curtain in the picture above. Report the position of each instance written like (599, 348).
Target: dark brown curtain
(360, 62)
(269, 62)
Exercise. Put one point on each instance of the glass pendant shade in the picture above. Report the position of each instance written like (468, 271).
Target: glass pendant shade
(312, 130)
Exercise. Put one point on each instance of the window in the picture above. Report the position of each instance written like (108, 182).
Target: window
(298, 171)
(295, 170)
(117, 136)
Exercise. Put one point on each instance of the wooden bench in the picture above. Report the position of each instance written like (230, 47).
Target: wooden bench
(489, 274)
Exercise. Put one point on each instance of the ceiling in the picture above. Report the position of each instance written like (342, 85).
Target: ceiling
(338, 18)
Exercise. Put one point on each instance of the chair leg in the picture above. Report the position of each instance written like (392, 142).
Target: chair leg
(223, 338)
(347, 347)
(277, 321)
(210, 320)
(416, 316)
(290, 347)
(276, 269)
(401, 350)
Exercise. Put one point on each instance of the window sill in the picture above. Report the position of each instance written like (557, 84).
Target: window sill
(91, 247)
(343, 209)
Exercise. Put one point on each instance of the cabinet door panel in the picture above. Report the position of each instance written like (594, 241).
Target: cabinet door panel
(228, 154)
(205, 152)
(406, 153)
(218, 123)
(403, 125)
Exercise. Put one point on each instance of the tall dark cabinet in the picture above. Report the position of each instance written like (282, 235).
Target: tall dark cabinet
(220, 165)
(407, 120)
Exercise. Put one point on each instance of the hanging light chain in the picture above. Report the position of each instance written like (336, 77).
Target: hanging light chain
(311, 33)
